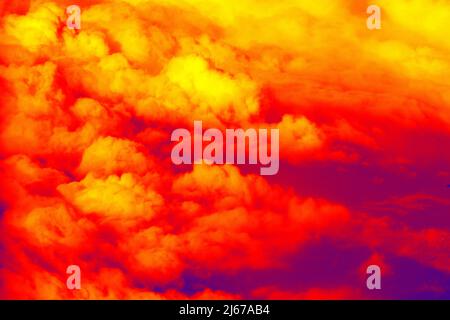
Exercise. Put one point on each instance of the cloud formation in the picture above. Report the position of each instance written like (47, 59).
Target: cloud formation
(86, 177)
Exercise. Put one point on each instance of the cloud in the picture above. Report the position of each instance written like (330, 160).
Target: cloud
(85, 142)
(122, 200)
(108, 155)
(343, 293)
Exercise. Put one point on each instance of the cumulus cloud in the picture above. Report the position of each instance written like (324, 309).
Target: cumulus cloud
(85, 141)
(116, 198)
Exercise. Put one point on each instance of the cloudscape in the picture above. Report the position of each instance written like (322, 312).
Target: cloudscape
(87, 177)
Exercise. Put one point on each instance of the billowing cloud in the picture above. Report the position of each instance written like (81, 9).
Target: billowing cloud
(86, 176)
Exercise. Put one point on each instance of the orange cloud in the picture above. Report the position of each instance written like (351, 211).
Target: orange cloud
(85, 140)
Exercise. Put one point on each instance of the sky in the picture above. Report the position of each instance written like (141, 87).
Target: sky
(85, 143)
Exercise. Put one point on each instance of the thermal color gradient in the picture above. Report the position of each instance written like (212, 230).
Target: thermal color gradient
(87, 179)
